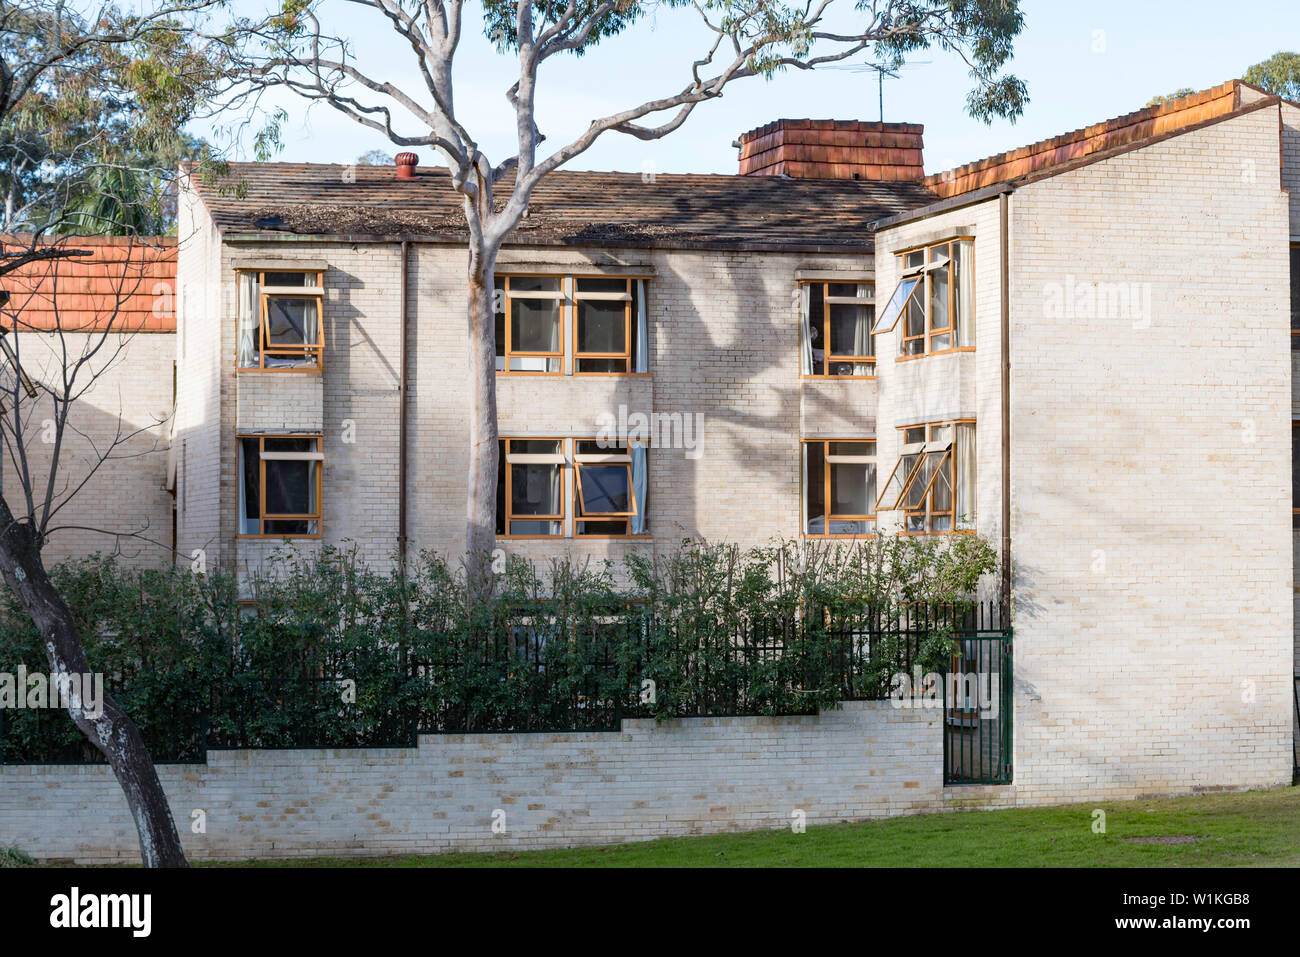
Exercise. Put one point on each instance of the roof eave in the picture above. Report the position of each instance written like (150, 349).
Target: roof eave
(276, 236)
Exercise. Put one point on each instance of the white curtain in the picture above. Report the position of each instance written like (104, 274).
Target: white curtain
(965, 319)
(805, 337)
(311, 325)
(964, 480)
(862, 338)
(637, 525)
(249, 317)
(641, 360)
(557, 497)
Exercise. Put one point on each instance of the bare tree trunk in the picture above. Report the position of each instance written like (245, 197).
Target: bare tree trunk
(112, 731)
(480, 526)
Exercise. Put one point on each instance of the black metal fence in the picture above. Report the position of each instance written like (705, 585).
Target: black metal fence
(1295, 735)
(978, 710)
(534, 674)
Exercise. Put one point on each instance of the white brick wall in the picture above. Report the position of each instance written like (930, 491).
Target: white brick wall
(1150, 469)
(695, 776)
(113, 460)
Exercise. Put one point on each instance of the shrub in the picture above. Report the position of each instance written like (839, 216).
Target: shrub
(330, 652)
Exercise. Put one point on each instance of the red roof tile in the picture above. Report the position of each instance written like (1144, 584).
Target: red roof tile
(1128, 130)
(126, 283)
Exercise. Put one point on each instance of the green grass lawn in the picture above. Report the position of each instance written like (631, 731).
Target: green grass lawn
(1259, 829)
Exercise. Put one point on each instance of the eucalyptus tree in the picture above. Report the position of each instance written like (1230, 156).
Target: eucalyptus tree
(1279, 74)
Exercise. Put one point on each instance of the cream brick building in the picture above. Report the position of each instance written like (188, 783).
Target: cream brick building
(1078, 349)
(101, 324)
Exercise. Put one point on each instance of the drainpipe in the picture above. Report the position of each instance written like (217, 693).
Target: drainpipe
(401, 414)
(1004, 202)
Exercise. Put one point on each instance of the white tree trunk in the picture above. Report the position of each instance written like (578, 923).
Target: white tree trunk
(480, 524)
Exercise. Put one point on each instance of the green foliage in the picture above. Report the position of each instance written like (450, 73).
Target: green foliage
(1279, 74)
(93, 143)
(11, 855)
(983, 32)
(330, 652)
(1177, 94)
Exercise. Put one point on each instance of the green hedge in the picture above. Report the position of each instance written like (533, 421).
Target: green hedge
(333, 653)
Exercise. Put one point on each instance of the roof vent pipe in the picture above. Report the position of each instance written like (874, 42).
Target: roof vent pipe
(406, 165)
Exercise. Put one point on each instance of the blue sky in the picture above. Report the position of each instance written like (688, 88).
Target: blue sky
(1083, 62)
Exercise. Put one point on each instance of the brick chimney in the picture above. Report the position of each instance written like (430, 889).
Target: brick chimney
(834, 149)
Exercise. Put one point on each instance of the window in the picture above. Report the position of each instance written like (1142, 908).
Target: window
(280, 323)
(530, 324)
(530, 488)
(1295, 295)
(839, 483)
(280, 485)
(934, 299)
(933, 481)
(609, 328)
(836, 337)
(611, 486)
(610, 324)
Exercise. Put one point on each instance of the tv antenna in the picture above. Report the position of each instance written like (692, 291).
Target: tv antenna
(881, 72)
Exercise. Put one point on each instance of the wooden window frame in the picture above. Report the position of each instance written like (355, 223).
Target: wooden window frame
(262, 516)
(507, 295)
(826, 490)
(827, 301)
(507, 471)
(315, 350)
(927, 495)
(628, 298)
(579, 518)
(926, 286)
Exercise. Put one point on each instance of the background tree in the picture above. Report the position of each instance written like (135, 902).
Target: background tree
(1279, 74)
(85, 97)
(305, 49)
(1157, 100)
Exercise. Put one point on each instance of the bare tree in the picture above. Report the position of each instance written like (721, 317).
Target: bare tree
(298, 51)
(38, 426)
(154, 65)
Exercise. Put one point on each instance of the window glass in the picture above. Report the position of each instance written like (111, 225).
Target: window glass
(535, 325)
(602, 325)
(289, 278)
(606, 489)
(850, 330)
(903, 294)
(290, 322)
(815, 488)
(853, 488)
(535, 284)
(601, 284)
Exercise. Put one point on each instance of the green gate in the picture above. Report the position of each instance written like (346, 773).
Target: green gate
(977, 710)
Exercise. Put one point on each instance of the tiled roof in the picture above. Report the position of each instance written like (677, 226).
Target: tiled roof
(1129, 130)
(128, 282)
(568, 207)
